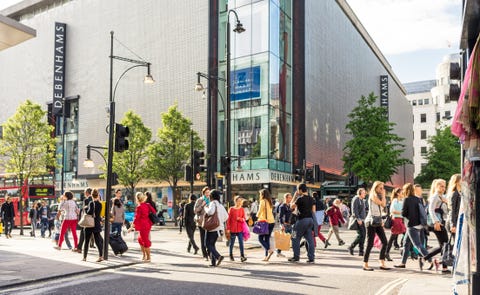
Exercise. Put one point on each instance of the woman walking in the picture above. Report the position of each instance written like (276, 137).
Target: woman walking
(398, 227)
(265, 214)
(94, 208)
(212, 235)
(454, 199)
(235, 221)
(143, 225)
(335, 216)
(376, 203)
(70, 211)
(118, 215)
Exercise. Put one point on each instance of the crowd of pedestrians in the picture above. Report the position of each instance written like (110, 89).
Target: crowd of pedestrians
(299, 216)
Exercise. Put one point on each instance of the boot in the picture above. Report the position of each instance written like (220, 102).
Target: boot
(231, 257)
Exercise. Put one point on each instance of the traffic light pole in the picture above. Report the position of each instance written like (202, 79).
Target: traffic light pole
(191, 162)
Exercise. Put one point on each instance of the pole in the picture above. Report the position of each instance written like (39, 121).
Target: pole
(110, 155)
(63, 146)
(476, 274)
(228, 175)
(192, 164)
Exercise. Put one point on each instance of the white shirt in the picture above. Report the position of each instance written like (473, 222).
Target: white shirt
(70, 209)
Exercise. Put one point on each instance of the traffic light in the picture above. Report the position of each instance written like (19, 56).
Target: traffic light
(224, 165)
(188, 173)
(318, 175)
(121, 134)
(309, 175)
(298, 174)
(198, 161)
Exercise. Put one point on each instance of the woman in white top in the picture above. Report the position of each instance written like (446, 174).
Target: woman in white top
(70, 211)
(212, 235)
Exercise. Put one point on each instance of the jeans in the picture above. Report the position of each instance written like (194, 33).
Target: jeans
(265, 239)
(303, 228)
(360, 239)
(415, 238)
(117, 227)
(44, 225)
(210, 240)
(240, 242)
(371, 231)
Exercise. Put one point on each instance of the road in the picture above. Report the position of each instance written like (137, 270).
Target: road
(174, 271)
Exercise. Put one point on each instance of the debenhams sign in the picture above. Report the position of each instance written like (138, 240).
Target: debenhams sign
(262, 176)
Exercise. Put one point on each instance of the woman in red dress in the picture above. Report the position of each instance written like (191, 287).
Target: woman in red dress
(143, 225)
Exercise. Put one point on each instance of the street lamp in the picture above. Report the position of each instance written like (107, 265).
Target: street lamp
(148, 79)
(88, 163)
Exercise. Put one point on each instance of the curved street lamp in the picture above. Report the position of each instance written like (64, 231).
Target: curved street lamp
(148, 80)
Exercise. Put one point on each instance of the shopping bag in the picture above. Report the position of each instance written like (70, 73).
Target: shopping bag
(282, 240)
(1, 227)
(246, 231)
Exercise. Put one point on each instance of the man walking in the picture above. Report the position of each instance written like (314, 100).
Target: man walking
(305, 205)
(358, 212)
(44, 215)
(8, 216)
(189, 222)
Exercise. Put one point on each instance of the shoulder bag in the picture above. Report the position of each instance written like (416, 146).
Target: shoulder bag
(352, 223)
(447, 252)
(261, 227)
(87, 220)
(211, 222)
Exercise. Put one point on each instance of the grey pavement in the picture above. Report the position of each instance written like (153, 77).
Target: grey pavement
(25, 260)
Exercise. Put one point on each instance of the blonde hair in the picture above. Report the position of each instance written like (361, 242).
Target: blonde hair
(394, 195)
(373, 191)
(140, 197)
(408, 190)
(434, 187)
(337, 202)
(453, 183)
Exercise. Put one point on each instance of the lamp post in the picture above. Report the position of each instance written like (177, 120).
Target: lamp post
(148, 79)
(88, 163)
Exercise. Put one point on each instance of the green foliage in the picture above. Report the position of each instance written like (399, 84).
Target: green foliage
(443, 158)
(131, 165)
(27, 147)
(374, 152)
(171, 151)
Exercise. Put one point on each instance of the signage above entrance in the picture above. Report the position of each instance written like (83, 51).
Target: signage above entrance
(262, 176)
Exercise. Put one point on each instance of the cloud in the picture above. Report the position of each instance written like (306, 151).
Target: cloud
(401, 26)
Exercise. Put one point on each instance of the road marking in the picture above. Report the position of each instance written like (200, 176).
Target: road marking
(386, 289)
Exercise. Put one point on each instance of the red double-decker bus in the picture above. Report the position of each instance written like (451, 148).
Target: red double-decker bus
(35, 188)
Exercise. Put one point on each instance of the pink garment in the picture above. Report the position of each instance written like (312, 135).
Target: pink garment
(377, 243)
(246, 231)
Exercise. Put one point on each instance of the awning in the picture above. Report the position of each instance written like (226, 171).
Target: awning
(13, 32)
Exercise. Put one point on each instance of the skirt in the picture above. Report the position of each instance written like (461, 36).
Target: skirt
(398, 227)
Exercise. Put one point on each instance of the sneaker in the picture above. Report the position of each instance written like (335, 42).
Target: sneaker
(341, 243)
(310, 261)
(220, 259)
(293, 259)
(326, 244)
(280, 255)
(243, 259)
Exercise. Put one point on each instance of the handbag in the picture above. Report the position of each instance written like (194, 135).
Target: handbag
(261, 227)
(87, 220)
(447, 253)
(388, 222)
(211, 222)
(282, 240)
(153, 217)
(352, 223)
(376, 221)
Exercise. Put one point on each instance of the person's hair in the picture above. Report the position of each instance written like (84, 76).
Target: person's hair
(360, 190)
(337, 202)
(215, 195)
(286, 195)
(118, 190)
(453, 183)
(88, 190)
(315, 194)
(149, 196)
(69, 195)
(395, 192)
(302, 187)
(265, 195)
(435, 184)
(8, 198)
(408, 189)
(433, 187)
(140, 197)
(192, 197)
(95, 193)
(373, 191)
(116, 202)
(245, 203)
(204, 189)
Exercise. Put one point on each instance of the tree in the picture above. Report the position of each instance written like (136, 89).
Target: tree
(27, 147)
(374, 152)
(443, 158)
(168, 155)
(131, 165)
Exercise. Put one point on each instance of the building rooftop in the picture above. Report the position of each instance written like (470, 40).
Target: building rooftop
(420, 86)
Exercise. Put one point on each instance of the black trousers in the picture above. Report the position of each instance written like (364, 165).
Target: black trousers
(442, 237)
(98, 241)
(360, 239)
(7, 225)
(191, 238)
(202, 241)
(371, 231)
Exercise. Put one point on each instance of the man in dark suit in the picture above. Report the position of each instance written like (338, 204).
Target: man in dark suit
(189, 222)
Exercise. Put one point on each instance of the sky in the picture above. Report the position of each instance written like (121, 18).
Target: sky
(414, 35)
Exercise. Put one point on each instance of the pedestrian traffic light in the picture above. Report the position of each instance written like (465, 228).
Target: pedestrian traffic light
(298, 174)
(309, 175)
(198, 162)
(121, 134)
(224, 165)
(188, 173)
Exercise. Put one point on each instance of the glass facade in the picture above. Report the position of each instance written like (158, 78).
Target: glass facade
(261, 84)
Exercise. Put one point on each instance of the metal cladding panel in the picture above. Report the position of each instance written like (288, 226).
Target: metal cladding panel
(340, 67)
(171, 35)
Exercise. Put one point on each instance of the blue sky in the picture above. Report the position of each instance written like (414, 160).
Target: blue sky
(414, 35)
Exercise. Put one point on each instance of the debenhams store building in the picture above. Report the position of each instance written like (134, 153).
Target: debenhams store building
(297, 71)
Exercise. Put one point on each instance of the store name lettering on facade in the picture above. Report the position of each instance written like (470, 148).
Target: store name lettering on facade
(59, 67)
(262, 176)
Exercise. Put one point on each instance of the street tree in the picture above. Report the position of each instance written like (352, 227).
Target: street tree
(443, 158)
(374, 151)
(131, 165)
(27, 148)
(171, 151)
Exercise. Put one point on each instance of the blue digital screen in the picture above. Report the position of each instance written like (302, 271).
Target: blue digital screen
(245, 84)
